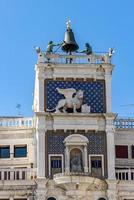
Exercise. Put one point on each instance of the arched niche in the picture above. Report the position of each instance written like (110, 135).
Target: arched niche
(76, 164)
(76, 153)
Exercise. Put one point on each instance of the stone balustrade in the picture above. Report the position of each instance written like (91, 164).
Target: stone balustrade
(121, 174)
(16, 122)
(72, 174)
(124, 174)
(87, 174)
(74, 58)
(122, 123)
(17, 174)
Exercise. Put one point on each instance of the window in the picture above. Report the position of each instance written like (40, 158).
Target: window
(132, 150)
(4, 199)
(102, 199)
(20, 151)
(55, 164)
(20, 199)
(96, 165)
(121, 151)
(51, 198)
(5, 152)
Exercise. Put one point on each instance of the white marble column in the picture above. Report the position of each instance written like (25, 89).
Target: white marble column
(39, 89)
(40, 153)
(85, 159)
(11, 152)
(67, 167)
(41, 94)
(108, 92)
(110, 153)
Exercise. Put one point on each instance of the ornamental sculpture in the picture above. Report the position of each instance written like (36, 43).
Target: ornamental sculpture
(73, 100)
(76, 164)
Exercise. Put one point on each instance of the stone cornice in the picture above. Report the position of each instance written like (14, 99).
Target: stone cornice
(93, 71)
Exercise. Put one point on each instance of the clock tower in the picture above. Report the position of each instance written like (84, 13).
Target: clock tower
(74, 122)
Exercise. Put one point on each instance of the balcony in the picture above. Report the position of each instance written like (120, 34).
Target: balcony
(74, 58)
(17, 174)
(83, 181)
(21, 122)
(125, 174)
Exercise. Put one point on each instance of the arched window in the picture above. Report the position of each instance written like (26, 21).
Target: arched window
(51, 198)
(101, 199)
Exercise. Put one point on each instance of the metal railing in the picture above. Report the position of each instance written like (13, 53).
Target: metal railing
(124, 174)
(16, 122)
(17, 174)
(121, 123)
(74, 59)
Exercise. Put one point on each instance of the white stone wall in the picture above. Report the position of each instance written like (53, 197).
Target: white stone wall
(125, 137)
(14, 137)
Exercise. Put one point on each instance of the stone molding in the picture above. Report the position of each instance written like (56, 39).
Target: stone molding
(76, 139)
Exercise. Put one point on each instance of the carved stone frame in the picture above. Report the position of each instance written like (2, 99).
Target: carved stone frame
(76, 141)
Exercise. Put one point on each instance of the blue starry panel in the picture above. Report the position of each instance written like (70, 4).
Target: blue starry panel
(96, 145)
(94, 93)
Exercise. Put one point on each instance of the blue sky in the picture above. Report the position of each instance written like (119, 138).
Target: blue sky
(28, 23)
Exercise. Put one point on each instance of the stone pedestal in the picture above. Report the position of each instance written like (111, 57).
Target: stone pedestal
(112, 190)
(41, 190)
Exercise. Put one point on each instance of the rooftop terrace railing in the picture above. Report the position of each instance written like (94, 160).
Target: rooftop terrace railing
(122, 123)
(74, 58)
(16, 122)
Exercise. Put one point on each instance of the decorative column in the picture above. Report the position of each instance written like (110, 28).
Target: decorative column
(110, 145)
(39, 88)
(108, 91)
(85, 159)
(67, 161)
(40, 153)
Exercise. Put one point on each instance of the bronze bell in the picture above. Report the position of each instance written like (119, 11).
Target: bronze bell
(69, 44)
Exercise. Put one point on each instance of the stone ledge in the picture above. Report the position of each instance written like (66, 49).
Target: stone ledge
(73, 182)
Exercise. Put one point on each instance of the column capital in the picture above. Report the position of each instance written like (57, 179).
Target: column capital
(110, 129)
(110, 116)
(41, 130)
(108, 70)
(40, 123)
